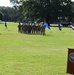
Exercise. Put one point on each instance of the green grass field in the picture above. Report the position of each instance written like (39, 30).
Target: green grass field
(23, 54)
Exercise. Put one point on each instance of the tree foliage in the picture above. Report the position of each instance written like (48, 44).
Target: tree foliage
(49, 10)
(11, 14)
(1, 15)
(14, 2)
(40, 10)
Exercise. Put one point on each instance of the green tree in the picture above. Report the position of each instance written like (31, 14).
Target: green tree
(9, 14)
(17, 10)
(1, 15)
(14, 2)
(49, 10)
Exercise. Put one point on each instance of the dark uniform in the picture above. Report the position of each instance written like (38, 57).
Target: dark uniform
(5, 25)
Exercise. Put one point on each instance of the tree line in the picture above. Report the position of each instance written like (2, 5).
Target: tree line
(10, 14)
(39, 10)
(48, 10)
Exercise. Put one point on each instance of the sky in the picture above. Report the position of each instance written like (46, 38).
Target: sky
(72, 0)
(7, 3)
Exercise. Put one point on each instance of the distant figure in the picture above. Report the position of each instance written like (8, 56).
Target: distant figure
(5, 25)
(59, 26)
(19, 27)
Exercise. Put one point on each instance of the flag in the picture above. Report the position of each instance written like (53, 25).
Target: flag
(46, 25)
(71, 23)
(71, 26)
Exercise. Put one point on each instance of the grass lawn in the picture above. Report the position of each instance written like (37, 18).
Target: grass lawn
(23, 54)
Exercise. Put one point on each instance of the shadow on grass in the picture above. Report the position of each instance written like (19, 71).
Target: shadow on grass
(0, 33)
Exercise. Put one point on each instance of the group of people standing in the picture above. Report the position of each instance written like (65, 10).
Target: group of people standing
(31, 28)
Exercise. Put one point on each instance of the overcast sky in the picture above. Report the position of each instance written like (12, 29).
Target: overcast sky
(7, 3)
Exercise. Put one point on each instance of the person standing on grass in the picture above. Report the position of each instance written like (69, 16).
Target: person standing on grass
(59, 26)
(19, 27)
(5, 25)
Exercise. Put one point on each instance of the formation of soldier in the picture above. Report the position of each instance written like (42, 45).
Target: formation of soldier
(31, 28)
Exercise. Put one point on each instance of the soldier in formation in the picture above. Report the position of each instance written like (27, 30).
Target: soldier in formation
(31, 28)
